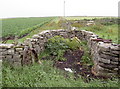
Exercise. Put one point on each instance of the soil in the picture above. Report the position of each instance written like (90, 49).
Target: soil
(74, 63)
(4, 39)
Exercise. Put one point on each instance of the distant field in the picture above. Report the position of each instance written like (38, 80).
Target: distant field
(31, 26)
(21, 26)
(82, 18)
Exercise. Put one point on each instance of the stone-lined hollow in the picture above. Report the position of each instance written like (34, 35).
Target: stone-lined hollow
(105, 54)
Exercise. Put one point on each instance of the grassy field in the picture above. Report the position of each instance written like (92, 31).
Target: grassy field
(50, 25)
(103, 29)
(21, 26)
(45, 75)
(87, 17)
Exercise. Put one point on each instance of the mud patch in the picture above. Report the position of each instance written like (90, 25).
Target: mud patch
(74, 62)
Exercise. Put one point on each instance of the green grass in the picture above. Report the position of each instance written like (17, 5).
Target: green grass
(45, 75)
(106, 32)
(21, 26)
(0, 74)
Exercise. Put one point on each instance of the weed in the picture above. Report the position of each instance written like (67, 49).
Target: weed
(56, 47)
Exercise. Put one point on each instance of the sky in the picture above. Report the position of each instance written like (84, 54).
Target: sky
(41, 8)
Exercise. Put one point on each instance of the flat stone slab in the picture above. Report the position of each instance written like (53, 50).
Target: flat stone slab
(6, 45)
(35, 36)
(102, 40)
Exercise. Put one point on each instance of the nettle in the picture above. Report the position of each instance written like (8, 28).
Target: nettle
(57, 45)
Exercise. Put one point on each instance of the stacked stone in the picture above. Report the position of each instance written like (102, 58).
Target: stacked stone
(104, 55)
(18, 55)
(63, 34)
(108, 61)
(77, 33)
(11, 53)
(6, 51)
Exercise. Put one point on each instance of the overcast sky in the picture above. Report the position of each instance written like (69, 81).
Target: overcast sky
(38, 8)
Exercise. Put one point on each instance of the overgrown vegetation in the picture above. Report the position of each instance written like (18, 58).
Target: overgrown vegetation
(45, 75)
(57, 45)
(86, 58)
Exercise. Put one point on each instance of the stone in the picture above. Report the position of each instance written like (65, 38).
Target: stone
(116, 69)
(109, 57)
(10, 61)
(35, 36)
(19, 49)
(20, 52)
(8, 57)
(17, 58)
(37, 48)
(10, 51)
(115, 52)
(2, 50)
(104, 60)
(43, 32)
(64, 34)
(115, 59)
(119, 67)
(74, 28)
(71, 36)
(6, 46)
(115, 63)
(33, 40)
(20, 44)
(99, 73)
(104, 56)
(104, 47)
(27, 41)
(115, 48)
(2, 57)
(108, 53)
(41, 38)
(107, 66)
(48, 35)
(33, 43)
(42, 48)
(98, 68)
(90, 33)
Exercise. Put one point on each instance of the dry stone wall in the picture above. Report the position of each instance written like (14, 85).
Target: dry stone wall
(105, 54)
